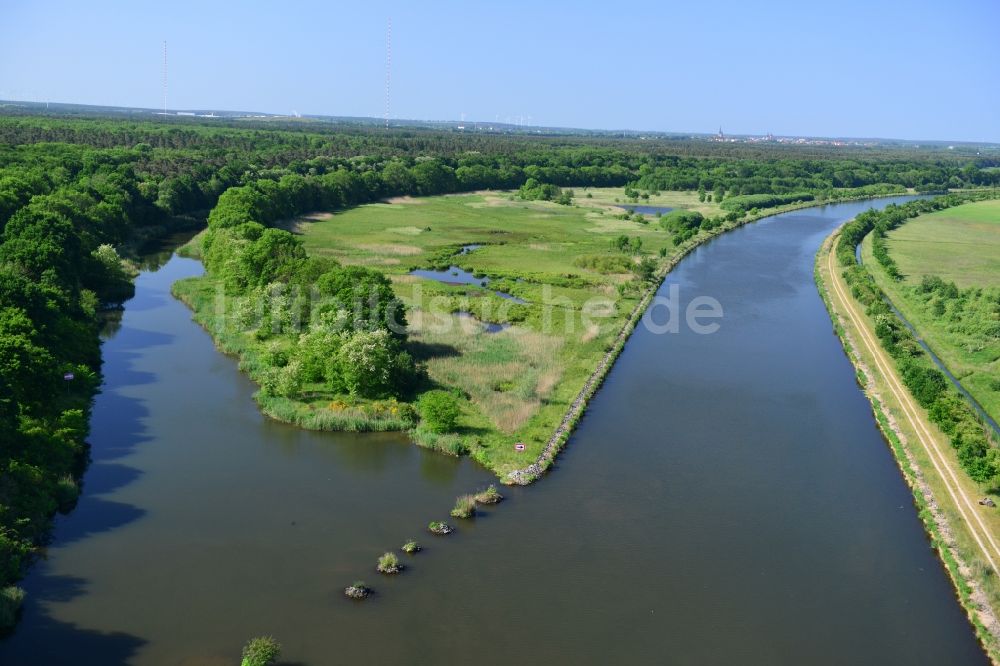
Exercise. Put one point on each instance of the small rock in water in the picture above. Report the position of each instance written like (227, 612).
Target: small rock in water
(440, 528)
(357, 591)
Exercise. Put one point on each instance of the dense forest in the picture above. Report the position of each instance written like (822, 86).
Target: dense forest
(78, 195)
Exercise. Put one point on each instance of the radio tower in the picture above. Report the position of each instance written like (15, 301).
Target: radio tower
(164, 77)
(388, 67)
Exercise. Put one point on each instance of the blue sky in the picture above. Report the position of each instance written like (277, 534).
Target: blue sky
(887, 68)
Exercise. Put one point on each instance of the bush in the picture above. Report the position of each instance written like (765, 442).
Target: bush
(388, 564)
(439, 411)
(604, 263)
(11, 599)
(67, 492)
(745, 202)
(532, 190)
(489, 496)
(645, 270)
(680, 221)
(261, 651)
(357, 590)
(438, 527)
(410, 547)
(465, 507)
(450, 443)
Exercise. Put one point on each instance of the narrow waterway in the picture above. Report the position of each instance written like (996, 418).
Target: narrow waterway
(726, 499)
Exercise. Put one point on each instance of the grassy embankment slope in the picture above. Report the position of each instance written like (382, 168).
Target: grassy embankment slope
(963, 532)
(960, 245)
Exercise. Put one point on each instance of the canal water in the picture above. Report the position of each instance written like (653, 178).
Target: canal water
(726, 499)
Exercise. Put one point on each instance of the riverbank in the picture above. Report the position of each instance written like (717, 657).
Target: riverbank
(944, 496)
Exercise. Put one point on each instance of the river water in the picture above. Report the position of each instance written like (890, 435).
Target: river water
(726, 499)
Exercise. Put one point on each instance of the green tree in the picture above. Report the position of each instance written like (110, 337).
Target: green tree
(261, 651)
(367, 362)
(439, 411)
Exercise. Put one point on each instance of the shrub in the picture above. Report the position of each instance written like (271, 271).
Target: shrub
(260, 651)
(449, 443)
(603, 263)
(465, 507)
(388, 564)
(439, 411)
(532, 190)
(645, 270)
(11, 599)
(67, 492)
(489, 496)
(357, 590)
(410, 547)
(681, 221)
(746, 202)
(438, 527)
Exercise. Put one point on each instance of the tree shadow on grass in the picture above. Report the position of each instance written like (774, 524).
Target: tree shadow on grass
(424, 351)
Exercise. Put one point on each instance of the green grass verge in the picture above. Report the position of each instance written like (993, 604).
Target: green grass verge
(961, 245)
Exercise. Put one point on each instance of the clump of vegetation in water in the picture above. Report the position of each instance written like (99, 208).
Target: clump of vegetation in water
(465, 507)
(357, 590)
(411, 547)
(67, 492)
(489, 496)
(389, 564)
(10, 603)
(438, 527)
(260, 651)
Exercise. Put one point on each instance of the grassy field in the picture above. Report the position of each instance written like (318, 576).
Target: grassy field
(517, 382)
(961, 245)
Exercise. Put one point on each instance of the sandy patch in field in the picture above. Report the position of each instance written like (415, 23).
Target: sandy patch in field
(387, 248)
(608, 290)
(547, 381)
(405, 200)
(603, 225)
(371, 261)
(297, 225)
(405, 231)
(590, 333)
(489, 201)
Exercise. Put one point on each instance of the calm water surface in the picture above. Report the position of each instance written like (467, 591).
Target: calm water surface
(726, 499)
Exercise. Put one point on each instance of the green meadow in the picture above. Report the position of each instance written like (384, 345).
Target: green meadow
(960, 245)
(517, 383)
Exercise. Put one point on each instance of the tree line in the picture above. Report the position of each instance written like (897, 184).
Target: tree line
(978, 453)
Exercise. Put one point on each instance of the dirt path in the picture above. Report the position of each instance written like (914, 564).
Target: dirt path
(967, 506)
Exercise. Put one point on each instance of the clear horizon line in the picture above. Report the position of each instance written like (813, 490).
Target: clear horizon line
(609, 130)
